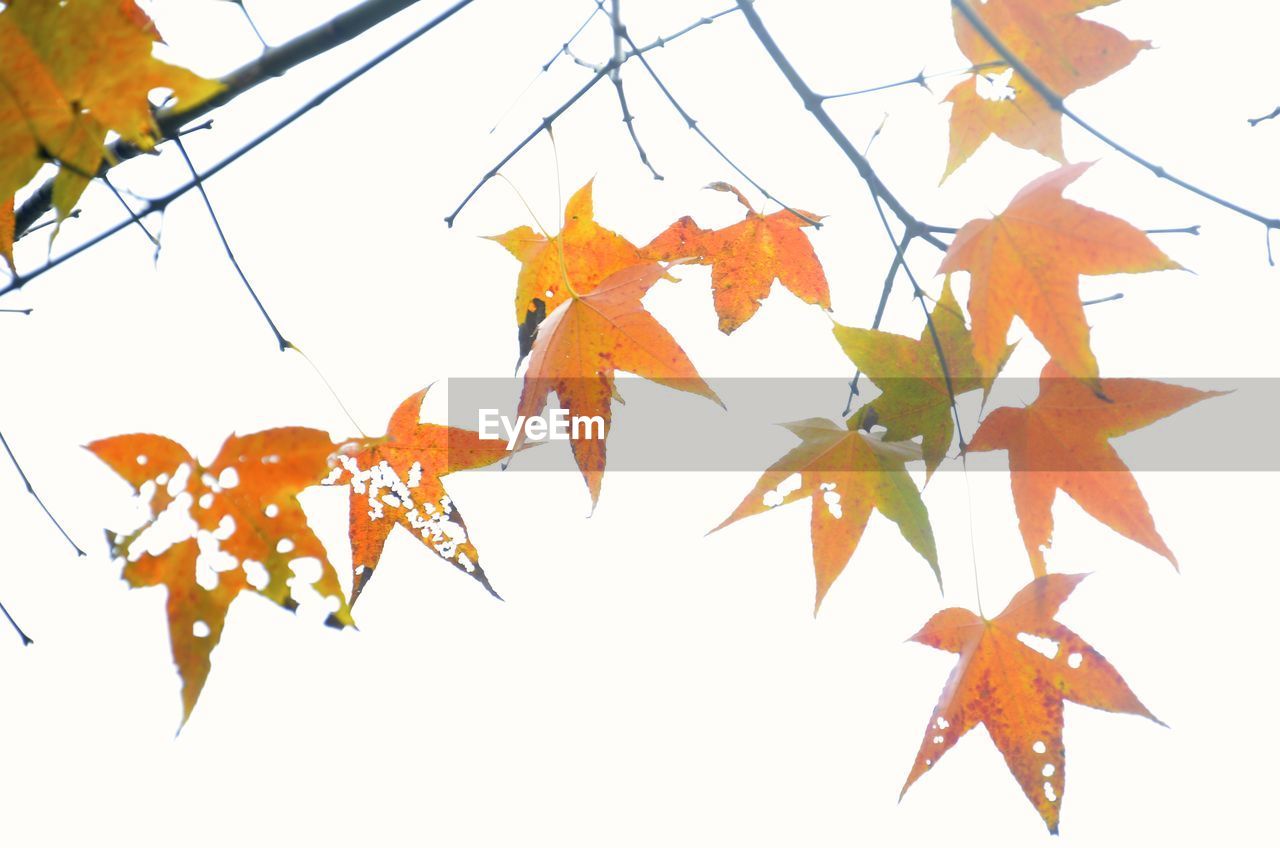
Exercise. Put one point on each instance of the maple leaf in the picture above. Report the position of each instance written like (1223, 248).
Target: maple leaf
(246, 502)
(914, 400)
(1061, 441)
(1027, 261)
(70, 73)
(1016, 691)
(582, 251)
(847, 473)
(1065, 51)
(1024, 119)
(581, 345)
(395, 479)
(747, 257)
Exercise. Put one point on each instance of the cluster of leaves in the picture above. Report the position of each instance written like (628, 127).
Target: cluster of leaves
(580, 318)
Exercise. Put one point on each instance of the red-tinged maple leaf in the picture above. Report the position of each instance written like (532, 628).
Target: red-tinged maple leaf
(581, 345)
(1061, 441)
(583, 251)
(395, 479)
(747, 257)
(915, 400)
(1016, 691)
(1027, 261)
(1065, 51)
(71, 72)
(246, 503)
(847, 473)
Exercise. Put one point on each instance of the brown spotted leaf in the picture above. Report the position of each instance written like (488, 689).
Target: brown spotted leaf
(1016, 691)
(746, 258)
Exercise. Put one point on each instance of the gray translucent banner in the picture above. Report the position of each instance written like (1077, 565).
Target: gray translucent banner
(657, 428)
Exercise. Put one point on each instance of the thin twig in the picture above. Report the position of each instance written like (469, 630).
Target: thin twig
(26, 640)
(253, 26)
(1193, 230)
(226, 246)
(921, 79)
(1054, 100)
(1107, 299)
(1253, 122)
(159, 204)
(918, 79)
(544, 124)
(663, 41)
(615, 76)
(106, 180)
(565, 50)
(693, 125)
(31, 491)
(74, 213)
(271, 64)
(898, 256)
(813, 102)
(600, 72)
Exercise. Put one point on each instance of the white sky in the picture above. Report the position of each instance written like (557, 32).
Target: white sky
(642, 684)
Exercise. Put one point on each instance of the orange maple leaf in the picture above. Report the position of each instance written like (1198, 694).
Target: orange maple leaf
(583, 251)
(246, 502)
(1065, 51)
(1027, 261)
(847, 474)
(70, 73)
(1017, 691)
(1024, 119)
(1061, 441)
(581, 345)
(395, 479)
(747, 257)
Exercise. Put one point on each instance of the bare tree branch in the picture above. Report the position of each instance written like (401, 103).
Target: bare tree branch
(160, 203)
(619, 33)
(272, 63)
(1054, 100)
(813, 102)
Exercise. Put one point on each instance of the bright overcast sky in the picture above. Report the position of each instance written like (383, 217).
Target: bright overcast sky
(642, 684)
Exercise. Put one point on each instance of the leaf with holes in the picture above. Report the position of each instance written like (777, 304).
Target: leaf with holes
(915, 400)
(848, 474)
(1027, 261)
(1065, 51)
(583, 252)
(746, 258)
(584, 342)
(242, 510)
(1062, 441)
(1005, 682)
(70, 73)
(395, 479)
